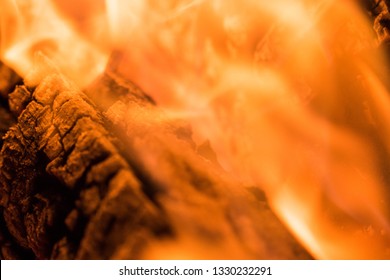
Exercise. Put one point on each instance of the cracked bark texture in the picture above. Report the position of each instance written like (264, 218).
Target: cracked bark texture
(121, 180)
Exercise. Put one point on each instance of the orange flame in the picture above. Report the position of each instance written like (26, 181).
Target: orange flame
(288, 92)
(29, 27)
(266, 83)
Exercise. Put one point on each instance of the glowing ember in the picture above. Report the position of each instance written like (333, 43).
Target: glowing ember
(288, 93)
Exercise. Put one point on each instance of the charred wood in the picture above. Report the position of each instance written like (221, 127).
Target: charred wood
(66, 191)
(121, 180)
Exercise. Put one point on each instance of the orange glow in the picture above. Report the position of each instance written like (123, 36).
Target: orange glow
(289, 94)
(30, 27)
(264, 82)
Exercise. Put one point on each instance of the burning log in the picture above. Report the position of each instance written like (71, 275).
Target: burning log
(128, 183)
(7, 80)
(59, 169)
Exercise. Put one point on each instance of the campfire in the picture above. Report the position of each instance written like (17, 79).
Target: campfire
(193, 129)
